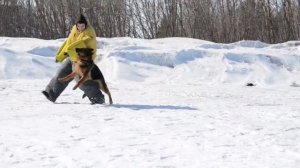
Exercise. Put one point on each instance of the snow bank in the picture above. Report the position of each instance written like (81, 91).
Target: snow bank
(178, 103)
(170, 59)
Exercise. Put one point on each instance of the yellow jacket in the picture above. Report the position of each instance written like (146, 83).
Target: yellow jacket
(85, 39)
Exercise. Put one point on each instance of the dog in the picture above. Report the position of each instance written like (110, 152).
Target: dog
(86, 69)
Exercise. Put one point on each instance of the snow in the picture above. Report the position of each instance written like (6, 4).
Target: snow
(179, 102)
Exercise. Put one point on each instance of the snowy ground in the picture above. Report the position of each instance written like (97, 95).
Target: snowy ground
(178, 103)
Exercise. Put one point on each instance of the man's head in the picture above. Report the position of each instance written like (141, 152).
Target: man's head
(84, 53)
(81, 24)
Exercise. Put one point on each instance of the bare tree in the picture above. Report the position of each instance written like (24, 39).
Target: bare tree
(225, 21)
(289, 19)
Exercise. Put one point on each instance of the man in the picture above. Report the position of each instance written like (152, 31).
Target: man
(82, 35)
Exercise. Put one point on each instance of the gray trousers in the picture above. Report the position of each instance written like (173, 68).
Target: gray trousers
(56, 87)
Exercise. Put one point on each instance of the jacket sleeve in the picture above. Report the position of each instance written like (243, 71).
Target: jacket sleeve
(61, 47)
(78, 44)
(59, 54)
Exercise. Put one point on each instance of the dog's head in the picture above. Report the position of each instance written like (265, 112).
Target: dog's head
(84, 54)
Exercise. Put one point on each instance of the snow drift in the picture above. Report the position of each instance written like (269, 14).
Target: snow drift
(170, 59)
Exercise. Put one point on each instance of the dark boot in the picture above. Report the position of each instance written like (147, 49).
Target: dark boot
(97, 100)
(92, 91)
(46, 94)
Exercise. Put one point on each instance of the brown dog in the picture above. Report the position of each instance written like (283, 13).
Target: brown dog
(86, 69)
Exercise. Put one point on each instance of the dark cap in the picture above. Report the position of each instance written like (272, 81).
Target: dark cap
(82, 20)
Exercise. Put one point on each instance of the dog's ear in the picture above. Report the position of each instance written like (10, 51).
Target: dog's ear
(78, 50)
(89, 51)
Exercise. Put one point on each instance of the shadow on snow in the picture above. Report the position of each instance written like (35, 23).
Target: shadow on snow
(149, 107)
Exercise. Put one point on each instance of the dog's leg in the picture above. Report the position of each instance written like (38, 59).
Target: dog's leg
(68, 77)
(104, 87)
(82, 80)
